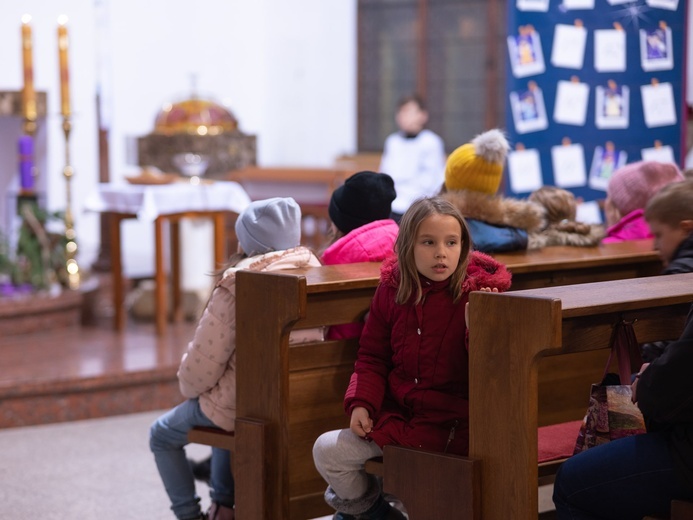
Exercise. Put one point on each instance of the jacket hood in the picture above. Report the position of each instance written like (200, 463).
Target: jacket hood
(482, 271)
(498, 210)
(552, 236)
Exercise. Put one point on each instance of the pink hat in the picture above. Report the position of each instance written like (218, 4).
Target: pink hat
(632, 186)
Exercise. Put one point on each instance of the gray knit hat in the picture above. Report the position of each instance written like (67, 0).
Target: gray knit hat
(269, 225)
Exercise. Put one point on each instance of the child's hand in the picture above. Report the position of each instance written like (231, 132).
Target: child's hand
(361, 423)
(466, 306)
(634, 386)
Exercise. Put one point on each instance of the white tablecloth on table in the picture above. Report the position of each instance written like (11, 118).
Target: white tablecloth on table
(150, 201)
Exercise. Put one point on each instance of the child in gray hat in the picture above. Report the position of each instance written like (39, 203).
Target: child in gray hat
(269, 236)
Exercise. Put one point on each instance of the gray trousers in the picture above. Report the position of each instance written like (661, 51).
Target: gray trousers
(340, 456)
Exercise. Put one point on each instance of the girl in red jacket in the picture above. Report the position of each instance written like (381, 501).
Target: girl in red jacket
(410, 380)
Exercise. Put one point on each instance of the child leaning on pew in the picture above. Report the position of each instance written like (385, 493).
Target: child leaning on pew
(269, 234)
(362, 230)
(410, 381)
(670, 217)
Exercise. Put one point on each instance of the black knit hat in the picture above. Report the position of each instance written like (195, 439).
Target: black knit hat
(363, 198)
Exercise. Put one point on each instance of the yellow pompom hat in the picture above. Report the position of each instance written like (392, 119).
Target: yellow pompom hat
(478, 165)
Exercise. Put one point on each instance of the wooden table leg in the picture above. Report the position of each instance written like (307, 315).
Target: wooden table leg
(114, 220)
(174, 251)
(161, 308)
(219, 240)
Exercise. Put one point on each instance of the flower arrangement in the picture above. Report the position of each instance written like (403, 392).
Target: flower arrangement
(38, 262)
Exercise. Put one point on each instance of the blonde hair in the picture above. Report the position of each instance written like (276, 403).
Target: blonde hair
(406, 239)
(672, 204)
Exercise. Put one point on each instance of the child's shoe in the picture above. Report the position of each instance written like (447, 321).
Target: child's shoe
(219, 512)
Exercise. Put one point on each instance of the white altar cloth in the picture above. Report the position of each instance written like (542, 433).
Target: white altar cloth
(150, 201)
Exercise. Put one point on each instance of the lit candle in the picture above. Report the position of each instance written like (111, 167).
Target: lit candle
(64, 73)
(28, 93)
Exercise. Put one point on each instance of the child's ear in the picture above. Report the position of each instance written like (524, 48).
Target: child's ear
(687, 225)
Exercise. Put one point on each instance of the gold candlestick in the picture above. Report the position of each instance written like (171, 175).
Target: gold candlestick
(73, 273)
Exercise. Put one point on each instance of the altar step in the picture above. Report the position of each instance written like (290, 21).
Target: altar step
(65, 371)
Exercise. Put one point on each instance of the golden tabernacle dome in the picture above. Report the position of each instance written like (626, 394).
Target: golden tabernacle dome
(195, 116)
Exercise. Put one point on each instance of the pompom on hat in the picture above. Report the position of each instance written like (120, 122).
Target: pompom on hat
(633, 185)
(478, 165)
(269, 225)
(363, 198)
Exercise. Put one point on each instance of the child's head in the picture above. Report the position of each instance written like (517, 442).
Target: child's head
(363, 198)
(269, 225)
(411, 115)
(632, 185)
(669, 213)
(478, 165)
(560, 204)
(433, 241)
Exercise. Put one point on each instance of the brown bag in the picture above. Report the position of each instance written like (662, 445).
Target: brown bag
(611, 414)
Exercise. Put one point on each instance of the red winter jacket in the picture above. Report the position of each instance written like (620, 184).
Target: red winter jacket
(411, 373)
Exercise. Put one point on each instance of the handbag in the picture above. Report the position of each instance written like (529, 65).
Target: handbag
(611, 414)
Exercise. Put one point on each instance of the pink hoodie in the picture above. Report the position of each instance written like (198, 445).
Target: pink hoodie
(631, 227)
(372, 242)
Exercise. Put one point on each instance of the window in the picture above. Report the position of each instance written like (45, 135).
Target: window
(448, 51)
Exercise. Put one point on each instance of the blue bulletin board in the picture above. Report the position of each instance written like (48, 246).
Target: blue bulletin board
(592, 85)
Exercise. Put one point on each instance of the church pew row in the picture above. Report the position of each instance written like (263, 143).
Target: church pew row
(287, 396)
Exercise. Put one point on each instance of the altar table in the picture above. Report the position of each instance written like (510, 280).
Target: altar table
(159, 204)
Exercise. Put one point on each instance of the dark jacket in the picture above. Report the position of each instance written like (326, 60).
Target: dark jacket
(665, 397)
(681, 262)
(411, 373)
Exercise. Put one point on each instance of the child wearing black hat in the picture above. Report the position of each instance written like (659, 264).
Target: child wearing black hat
(362, 230)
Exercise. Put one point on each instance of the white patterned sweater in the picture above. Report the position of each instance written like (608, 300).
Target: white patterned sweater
(208, 367)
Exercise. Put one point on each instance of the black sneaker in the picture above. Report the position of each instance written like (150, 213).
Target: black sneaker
(201, 470)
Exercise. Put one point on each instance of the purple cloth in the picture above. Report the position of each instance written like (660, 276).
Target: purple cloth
(26, 162)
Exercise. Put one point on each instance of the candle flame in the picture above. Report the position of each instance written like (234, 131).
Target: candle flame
(62, 19)
(26, 18)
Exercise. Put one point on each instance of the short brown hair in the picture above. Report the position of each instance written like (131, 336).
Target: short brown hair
(560, 204)
(406, 239)
(412, 98)
(672, 204)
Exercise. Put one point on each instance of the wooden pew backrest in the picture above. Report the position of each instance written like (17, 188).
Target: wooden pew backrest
(510, 333)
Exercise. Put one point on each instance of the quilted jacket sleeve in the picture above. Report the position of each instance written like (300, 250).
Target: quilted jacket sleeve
(213, 344)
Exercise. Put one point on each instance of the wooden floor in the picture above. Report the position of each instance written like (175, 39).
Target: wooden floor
(89, 371)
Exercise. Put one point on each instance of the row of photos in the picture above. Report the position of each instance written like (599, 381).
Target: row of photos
(612, 101)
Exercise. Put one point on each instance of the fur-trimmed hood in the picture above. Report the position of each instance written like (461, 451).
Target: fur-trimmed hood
(498, 210)
(482, 271)
(589, 236)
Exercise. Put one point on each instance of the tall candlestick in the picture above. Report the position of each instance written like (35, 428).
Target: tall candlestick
(64, 71)
(28, 93)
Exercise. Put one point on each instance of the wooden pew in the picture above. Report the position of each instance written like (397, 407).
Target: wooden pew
(296, 392)
(505, 353)
(566, 265)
